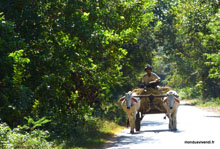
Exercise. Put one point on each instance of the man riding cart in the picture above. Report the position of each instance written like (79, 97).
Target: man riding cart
(150, 79)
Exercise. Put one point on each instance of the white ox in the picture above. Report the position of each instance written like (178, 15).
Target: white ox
(130, 105)
(171, 104)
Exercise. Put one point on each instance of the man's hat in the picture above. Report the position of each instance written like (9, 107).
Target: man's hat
(148, 66)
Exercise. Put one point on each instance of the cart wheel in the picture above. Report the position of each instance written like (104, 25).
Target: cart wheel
(138, 122)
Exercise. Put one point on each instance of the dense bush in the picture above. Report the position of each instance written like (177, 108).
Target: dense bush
(17, 138)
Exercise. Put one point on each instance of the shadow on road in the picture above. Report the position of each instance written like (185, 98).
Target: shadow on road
(187, 104)
(212, 116)
(160, 130)
(136, 138)
(151, 123)
(155, 131)
(126, 140)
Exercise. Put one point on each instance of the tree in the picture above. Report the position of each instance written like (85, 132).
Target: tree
(14, 95)
(211, 42)
(191, 24)
(75, 52)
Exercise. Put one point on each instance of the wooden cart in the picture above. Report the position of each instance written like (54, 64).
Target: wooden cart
(151, 102)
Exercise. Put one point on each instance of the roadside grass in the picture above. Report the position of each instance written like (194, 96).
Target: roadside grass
(192, 96)
(203, 103)
(212, 104)
(106, 130)
(94, 136)
(99, 129)
(61, 133)
(91, 136)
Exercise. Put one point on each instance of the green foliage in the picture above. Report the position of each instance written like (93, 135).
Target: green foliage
(69, 131)
(191, 25)
(186, 35)
(189, 93)
(75, 59)
(217, 101)
(73, 56)
(17, 139)
(32, 125)
(70, 61)
(15, 97)
(209, 102)
(83, 136)
(18, 66)
(211, 42)
(113, 112)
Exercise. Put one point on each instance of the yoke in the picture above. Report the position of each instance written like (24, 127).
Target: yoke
(151, 100)
(151, 97)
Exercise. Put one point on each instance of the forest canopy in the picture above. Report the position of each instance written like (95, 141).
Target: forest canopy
(69, 60)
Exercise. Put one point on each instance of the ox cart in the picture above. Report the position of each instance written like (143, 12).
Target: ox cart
(151, 102)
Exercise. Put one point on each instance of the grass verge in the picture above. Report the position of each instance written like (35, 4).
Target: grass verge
(91, 135)
(203, 103)
(97, 134)
(209, 105)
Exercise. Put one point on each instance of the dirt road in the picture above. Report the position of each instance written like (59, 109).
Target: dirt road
(196, 129)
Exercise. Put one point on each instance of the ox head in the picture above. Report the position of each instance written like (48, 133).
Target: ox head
(128, 99)
(171, 99)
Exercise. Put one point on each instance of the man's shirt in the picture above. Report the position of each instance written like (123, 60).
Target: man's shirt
(146, 79)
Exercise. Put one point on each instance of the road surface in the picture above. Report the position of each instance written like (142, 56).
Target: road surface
(196, 129)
